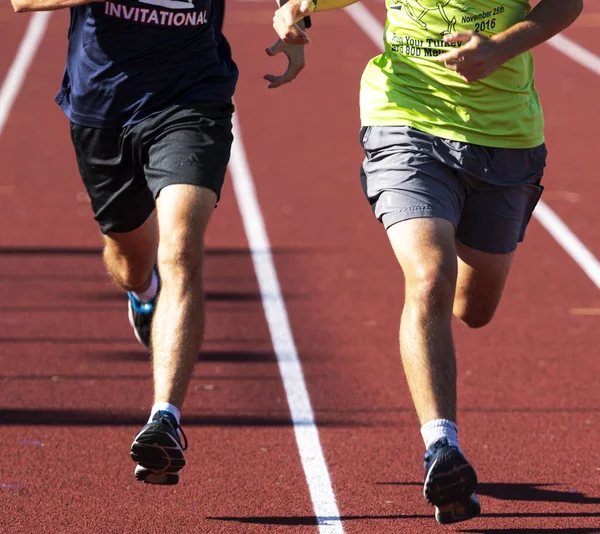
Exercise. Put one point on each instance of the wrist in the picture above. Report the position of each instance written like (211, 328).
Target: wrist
(505, 46)
(517, 39)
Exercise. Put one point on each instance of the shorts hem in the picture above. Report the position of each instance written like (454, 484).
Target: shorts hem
(393, 217)
(156, 190)
(496, 249)
(123, 227)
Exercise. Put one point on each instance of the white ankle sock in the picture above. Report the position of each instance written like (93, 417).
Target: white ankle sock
(165, 407)
(437, 429)
(149, 294)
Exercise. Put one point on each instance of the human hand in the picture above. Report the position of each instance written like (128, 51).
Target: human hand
(286, 18)
(295, 56)
(476, 59)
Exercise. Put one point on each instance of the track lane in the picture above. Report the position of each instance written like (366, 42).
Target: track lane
(525, 407)
(76, 387)
(343, 334)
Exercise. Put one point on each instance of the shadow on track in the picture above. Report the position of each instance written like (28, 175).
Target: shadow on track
(55, 417)
(97, 251)
(70, 340)
(517, 491)
(50, 251)
(566, 530)
(312, 520)
(514, 491)
(115, 295)
(60, 377)
(233, 356)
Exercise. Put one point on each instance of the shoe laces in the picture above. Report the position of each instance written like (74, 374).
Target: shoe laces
(170, 418)
(184, 444)
(429, 453)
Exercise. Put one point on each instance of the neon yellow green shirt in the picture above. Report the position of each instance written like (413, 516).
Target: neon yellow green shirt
(406, 85)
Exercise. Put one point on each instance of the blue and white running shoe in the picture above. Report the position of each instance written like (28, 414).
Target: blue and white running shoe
(140, 318)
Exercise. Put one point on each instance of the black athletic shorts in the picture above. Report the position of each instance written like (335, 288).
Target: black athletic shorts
(124, 169)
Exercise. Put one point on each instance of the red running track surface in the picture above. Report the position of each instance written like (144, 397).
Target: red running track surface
(76, 386)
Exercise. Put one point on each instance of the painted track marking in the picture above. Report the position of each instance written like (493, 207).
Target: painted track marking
(543, 213)
(18, 70)
(305, 428)
(576, 52)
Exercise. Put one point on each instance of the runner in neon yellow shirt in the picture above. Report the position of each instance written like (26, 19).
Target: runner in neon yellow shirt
(454, 156)
(408, 85)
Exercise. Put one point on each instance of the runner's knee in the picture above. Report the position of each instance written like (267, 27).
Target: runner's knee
(130, 272)
(474, 315)
(183, 213)
(425, 249)
(431, 286)
(180, 259)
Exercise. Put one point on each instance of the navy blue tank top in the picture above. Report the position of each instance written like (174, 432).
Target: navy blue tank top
(130, 59)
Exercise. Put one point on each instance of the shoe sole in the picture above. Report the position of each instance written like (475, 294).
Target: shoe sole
(450, 479)
(132, 323)
(159, 455)
(458, 511)
(150, 477)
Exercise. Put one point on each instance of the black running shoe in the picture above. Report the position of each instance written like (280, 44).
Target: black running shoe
(450, 482)
(140, 318)
(158, 450)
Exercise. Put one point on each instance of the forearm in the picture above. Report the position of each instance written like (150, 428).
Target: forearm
(545, 20)
(22, 6)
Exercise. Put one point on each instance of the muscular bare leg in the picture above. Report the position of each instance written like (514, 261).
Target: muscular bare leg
(178, 325)
(481, 280)
(130, 256)
(425, 249)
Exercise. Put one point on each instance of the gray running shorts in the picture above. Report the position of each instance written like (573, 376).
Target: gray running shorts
(488, 194)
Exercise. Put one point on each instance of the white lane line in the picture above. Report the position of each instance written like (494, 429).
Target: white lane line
(305, 428)
(367, 22)
(576, 52)
(20, 65)
(569, 241)
(543, 213)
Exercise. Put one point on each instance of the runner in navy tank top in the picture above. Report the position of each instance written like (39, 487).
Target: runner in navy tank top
(128, 60)
(148, 89)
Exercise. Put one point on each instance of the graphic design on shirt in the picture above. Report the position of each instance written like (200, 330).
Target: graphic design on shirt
(418, 9)
(147, 15)
(426, 40)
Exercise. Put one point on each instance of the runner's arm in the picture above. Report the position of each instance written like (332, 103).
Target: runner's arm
(287, 16)
(23, 6)
(293, 53)
(544, 21)
(480, 56)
